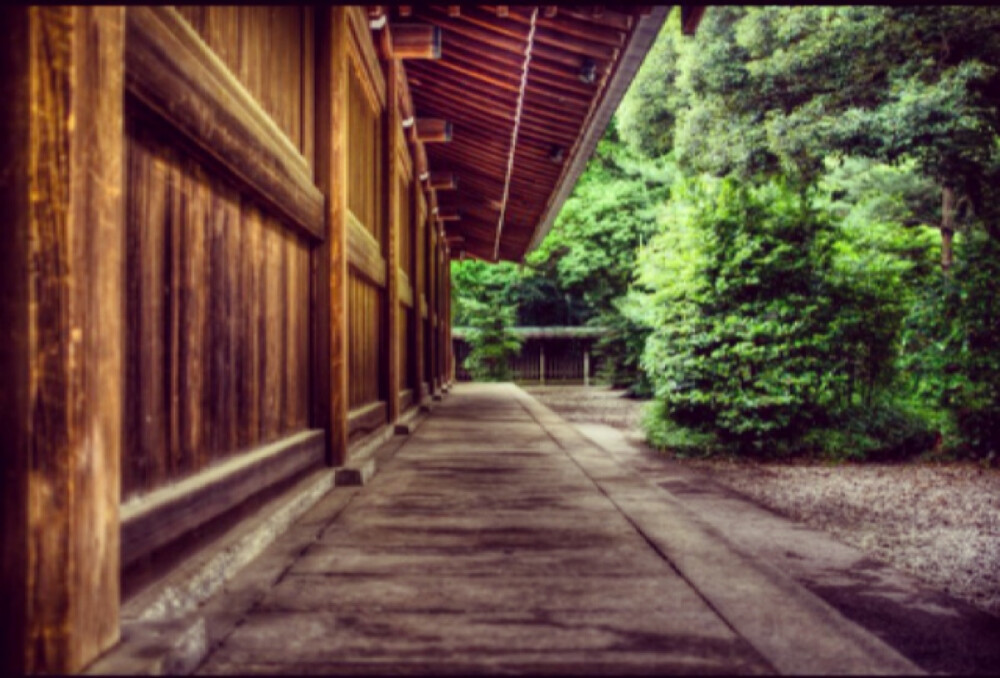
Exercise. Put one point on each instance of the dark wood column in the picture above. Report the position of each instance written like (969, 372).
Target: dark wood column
(432, 297)
(330, 259)
(390, 188)
(417, 279)
(61, 334)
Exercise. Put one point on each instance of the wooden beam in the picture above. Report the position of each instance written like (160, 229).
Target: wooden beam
(364, 253)
(550, 11)
(168, 513)
(199, 97)
(330, 280)
(431, 260)
(503, 11)
(416, 41)
(405, 295)
(443, 181)
(61, 334)
(433, 130)
(365, 419)
(391, 197)
(454, 10)
(421, 215)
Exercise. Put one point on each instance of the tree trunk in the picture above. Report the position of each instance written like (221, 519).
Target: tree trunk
(947, 227)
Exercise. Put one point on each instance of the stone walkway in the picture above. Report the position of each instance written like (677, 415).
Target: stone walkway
(497, 539)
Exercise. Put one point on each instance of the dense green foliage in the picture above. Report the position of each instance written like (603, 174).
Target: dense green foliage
(793, 228)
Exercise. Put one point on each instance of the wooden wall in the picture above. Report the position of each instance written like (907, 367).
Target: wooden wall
(366, 305)
(216, 241)
(217, 283)
(218, 297)
(271, 51)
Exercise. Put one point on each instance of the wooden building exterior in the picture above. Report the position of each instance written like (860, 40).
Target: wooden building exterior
(548, 355)
(227, 253)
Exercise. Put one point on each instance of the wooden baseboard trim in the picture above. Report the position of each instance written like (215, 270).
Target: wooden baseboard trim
(160, 517)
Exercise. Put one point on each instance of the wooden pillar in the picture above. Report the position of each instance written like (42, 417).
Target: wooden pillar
(443, 315)
(329, 265)
(390, 192)
(432, 300)
(541, 361)
(586, 365)
(61, 334)
(447, 312)
(417, 279)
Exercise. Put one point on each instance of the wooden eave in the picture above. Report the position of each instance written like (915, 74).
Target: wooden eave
(476, 84)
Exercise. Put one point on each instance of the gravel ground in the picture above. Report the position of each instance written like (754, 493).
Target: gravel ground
(939, 522)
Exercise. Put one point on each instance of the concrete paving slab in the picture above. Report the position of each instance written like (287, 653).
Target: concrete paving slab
(424, 592)
(498, 539)
(521, 636)
(937, 632)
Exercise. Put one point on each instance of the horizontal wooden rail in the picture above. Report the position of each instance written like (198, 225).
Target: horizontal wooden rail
(173, 73)
(405, 289)
(162, 516)
(365, 419)
(405, 399)
(363, 252)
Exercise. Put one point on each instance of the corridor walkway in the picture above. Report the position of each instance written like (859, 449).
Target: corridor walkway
(497, 540)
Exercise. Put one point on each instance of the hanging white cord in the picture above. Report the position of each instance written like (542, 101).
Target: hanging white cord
(514, 132)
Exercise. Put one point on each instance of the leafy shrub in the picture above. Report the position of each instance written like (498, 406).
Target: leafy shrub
(884, 430)
(491, 344)
(663, 433)
(743, 342)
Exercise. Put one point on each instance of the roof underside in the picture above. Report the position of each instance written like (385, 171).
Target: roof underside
(477, 84)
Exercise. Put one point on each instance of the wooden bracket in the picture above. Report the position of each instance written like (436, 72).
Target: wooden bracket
(416, 41)
(433, 130)
(443, 181)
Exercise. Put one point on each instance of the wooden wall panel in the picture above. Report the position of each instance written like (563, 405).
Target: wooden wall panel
(271, 52)
(218, 302)
(366, 371)
(364, 153)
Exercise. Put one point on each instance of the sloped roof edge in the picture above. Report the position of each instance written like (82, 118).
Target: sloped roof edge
(642, 39)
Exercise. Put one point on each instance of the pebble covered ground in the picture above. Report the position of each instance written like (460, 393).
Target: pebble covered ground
(937, 521)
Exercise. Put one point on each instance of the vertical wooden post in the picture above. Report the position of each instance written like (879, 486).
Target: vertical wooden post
(586, 365)
(330, 260)
(448, 343)
(432, 300)
(541, 361)
(442, 319)
(61, 334)
(417, 279)
(390, 192)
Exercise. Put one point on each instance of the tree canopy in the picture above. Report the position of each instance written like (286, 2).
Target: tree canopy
(792, 226)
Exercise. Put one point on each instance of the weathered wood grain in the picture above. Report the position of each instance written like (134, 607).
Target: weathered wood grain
(329, 260)
(416, 347)
(364, 252)
(217, 295)
(15, 335)
(156, 519)
(62, 355)
(391, 198)
(172, 71)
